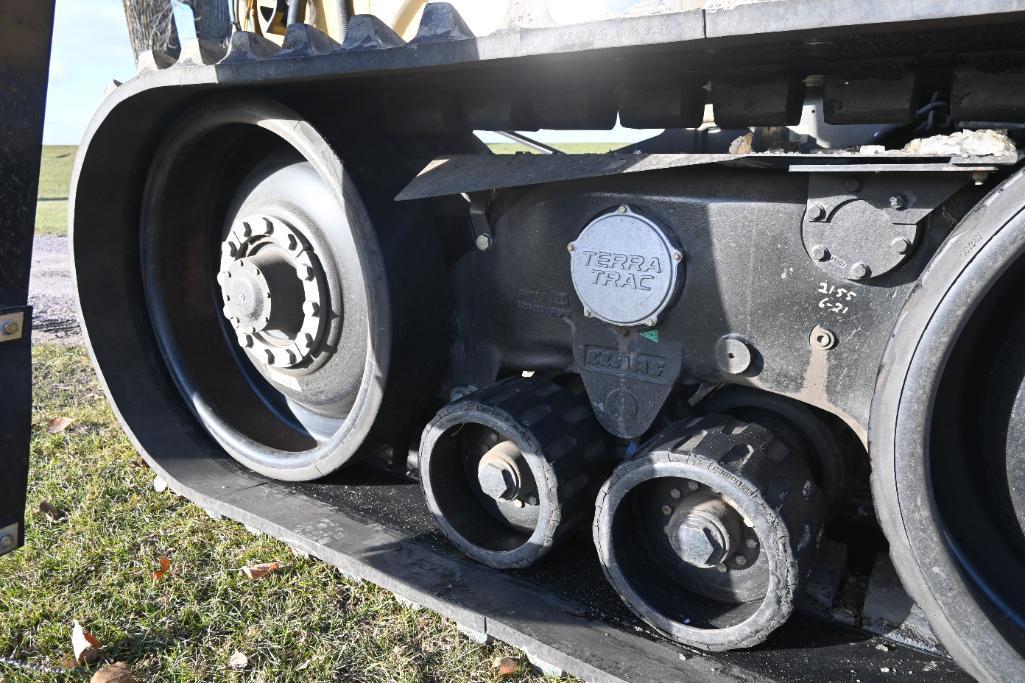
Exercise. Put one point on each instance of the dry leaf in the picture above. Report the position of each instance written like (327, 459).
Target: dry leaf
(506, 666)
(58, 424)
(238, 660)
(165, 564)
(257, 571)
(117, 672)
(53, 513)
(85, 645)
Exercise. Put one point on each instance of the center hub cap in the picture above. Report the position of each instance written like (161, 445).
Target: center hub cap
(272, 288)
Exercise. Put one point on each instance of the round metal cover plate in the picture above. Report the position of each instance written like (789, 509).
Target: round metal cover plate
(624, 268)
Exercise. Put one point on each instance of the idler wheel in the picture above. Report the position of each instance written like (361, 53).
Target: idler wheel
(707, 534)
(511, 470)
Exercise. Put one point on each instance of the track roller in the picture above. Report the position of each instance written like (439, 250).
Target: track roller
(708, 532)
(511, 470)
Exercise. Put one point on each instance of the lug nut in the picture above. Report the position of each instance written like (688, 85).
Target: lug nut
(820, 253)
(898, 201)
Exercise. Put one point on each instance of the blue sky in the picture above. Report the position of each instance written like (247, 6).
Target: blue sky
(91, 47)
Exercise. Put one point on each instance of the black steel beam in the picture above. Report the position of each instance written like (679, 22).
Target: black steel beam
(25, 36)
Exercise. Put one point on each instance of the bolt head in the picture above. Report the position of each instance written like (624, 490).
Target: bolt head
(817, 212)
(858, 271)
(483, 242)
(699, 543)
(6, 542)
(898, 201)
(677, 256)
(9, 328)
(901, 245)
(497, 482)
(570, 247)
(820, 253)
(623, 208)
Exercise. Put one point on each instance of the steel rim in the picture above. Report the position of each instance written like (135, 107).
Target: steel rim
(289, 394)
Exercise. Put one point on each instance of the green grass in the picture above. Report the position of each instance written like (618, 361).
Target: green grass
(58, 160)
(304, 622)
(54, 180)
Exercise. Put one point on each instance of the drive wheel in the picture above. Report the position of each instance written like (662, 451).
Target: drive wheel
(947, 435)
(264, 282)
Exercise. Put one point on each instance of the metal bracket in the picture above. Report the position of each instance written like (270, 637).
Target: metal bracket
(483, 238)
(861, 226)
(9, 538)
(12, 326)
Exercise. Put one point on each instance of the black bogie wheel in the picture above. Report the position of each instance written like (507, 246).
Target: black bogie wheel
(554, 461)
(796, 424)
(721, 578)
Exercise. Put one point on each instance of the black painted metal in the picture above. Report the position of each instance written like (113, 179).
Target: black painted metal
(25, 35)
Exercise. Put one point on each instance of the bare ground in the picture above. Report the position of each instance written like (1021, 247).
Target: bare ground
(52, 292)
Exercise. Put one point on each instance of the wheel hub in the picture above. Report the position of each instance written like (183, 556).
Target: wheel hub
(272, 288)
(704, 531)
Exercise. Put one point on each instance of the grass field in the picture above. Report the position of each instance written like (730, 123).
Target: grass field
(54, 179)
(303, 622)
(58, 160)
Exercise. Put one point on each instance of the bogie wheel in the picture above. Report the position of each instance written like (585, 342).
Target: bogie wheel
(708, 533)
(946, 440)
(266, 287)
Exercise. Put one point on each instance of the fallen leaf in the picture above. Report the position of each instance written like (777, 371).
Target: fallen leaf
(58, 424)
(84, 644)
(165, 564)
(118, 672)
(55, 514)
(506, 666)
(238, 660)
(257, 571)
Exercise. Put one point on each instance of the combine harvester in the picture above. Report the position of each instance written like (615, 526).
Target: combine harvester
(661, 413)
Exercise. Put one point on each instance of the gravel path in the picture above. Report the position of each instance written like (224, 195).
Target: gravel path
(52, 292)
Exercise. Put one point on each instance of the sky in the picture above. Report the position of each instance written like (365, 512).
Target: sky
(91, 48)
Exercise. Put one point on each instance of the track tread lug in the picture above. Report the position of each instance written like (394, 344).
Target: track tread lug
(201, 52)
(246, 46)
(440, 23)
(303, 40)
(367, 32)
